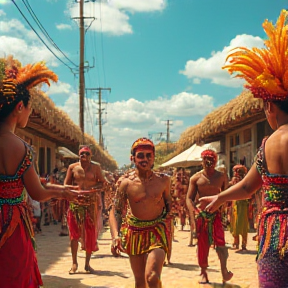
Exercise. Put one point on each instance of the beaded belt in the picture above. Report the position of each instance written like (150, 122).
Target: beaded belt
(12, 201)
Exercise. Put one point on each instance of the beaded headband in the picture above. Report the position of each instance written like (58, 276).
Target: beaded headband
(16, 81)
(265, 70)
(143, 143)
(209, 153)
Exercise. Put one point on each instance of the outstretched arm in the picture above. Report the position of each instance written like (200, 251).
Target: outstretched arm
(191, 194)
(242, 190)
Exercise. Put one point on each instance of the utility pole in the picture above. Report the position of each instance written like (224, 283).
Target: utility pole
(81, 19)
(168, 124)
(101, 142)
(81, 69)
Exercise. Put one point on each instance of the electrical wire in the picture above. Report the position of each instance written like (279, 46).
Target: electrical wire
(13, 1)
(44, 31)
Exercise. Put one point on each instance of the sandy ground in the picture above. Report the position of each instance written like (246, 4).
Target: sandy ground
(54, 259)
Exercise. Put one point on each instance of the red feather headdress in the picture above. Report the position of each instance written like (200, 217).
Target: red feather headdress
(16, 81)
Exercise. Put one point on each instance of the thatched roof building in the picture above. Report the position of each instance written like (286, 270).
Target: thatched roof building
(48, 121)
(240, 111)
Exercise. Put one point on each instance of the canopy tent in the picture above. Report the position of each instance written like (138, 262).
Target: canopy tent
(66, 153)
(188, 158)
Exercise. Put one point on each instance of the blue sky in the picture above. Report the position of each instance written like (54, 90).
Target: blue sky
(162, 59)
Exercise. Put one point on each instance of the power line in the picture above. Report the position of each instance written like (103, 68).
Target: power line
(43, 30)
(40, 36)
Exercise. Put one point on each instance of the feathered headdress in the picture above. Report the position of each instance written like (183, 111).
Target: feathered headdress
(16, 81)
(209, 153)
(265, 70)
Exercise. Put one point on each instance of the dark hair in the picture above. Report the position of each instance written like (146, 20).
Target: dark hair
(7, 109)
(282, 105)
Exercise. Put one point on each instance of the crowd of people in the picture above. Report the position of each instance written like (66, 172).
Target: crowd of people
(143, 206)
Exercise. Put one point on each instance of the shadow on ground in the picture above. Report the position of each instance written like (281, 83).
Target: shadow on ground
(220, 285)
(54, 282)
(181, 266)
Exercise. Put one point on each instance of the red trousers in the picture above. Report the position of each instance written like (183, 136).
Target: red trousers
(209, 230)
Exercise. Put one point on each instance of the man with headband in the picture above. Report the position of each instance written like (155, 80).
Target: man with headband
(209, 227)
(143, 198)
(83, 217)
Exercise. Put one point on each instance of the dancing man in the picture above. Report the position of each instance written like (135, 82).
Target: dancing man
(143, 234)
(84, 217)
(209, 227)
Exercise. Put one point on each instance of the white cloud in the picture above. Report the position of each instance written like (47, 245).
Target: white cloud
(60, 88)
(196, 81)
(139, 5)
(112, 17)
(64, 27)
(2, 13)
(131, 119)
(16, 28)
(211, 68)
(25, 52)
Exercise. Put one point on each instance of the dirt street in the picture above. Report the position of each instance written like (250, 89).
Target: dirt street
(54, 259)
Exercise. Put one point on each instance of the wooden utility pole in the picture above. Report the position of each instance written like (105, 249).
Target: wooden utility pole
(81, 69)
(101, 142)
(168, 124)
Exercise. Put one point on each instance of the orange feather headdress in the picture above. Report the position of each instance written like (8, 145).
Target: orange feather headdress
(16, 81)
(265, 70)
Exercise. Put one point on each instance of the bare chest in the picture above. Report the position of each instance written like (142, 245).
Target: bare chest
(140, 192)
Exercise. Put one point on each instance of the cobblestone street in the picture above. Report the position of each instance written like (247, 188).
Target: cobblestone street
(54, 258)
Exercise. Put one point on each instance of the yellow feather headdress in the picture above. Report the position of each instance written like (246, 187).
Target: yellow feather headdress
(16, 81)
(265, 70)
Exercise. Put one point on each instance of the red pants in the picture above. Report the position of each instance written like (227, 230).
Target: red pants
(86, 231)
(209, 230)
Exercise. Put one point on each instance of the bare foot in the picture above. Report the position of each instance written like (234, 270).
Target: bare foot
(204, 279)
(74, 269)
(89, 269)
(228, 276)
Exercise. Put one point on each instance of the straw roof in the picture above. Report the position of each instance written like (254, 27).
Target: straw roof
(240, 111)
(50, 122)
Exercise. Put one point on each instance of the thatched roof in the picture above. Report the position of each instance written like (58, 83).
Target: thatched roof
(240, 111)
(50, 122)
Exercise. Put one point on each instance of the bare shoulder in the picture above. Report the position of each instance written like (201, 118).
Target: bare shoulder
(73, 165)
(126, 178)
(196, 176)
(164, 177)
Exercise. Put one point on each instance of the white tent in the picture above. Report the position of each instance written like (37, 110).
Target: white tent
(66, 153)
(189, 157)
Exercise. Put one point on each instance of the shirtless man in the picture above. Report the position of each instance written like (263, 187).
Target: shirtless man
(209, 227)
(143, 234)
(83, 218)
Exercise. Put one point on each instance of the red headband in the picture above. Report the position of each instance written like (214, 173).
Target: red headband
(209, 153)
(85, 149)
(240, 170)
(143, 143)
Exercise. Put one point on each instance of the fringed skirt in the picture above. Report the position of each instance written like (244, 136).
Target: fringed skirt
(272, 258)
(139, 237)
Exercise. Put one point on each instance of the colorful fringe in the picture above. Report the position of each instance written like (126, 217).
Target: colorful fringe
(139, 237)
(208, 219)
(273, 232)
